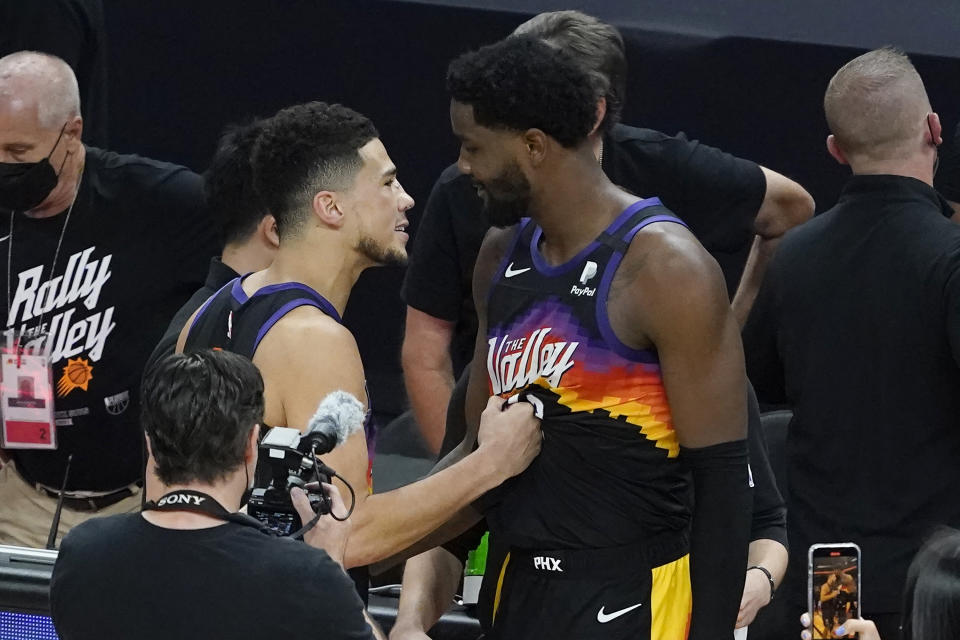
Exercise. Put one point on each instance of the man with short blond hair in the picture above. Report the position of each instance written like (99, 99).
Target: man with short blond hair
(857, 326)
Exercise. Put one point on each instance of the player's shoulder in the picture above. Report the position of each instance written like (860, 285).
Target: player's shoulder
(496, 243)
(307, 327)
(665, 254)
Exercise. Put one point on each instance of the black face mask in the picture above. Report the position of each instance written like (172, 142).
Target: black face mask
(24, 185)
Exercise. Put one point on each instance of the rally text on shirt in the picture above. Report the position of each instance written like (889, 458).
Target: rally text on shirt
(70, 334)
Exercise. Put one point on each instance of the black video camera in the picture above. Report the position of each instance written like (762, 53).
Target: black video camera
(292, 463)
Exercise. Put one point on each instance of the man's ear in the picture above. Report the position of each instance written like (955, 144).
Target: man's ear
(601, 114)
(936, 129)
(73, 132)
(253, 444)
(834, 149)
(535, 141)
(267, 229)
(326, 208)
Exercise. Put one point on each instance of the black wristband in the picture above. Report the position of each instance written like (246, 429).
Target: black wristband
(769, 577)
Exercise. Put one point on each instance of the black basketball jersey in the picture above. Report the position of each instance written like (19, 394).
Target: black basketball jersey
(234, 321)
(608, 472)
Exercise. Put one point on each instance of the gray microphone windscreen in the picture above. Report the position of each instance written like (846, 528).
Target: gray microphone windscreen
(340, 414)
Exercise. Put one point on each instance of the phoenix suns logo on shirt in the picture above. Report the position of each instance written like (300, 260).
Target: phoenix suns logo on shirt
(45, 308)
(76, 375)
(516, 362)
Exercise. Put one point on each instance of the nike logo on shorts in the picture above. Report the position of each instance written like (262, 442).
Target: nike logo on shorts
(604, 618)
(510, 272)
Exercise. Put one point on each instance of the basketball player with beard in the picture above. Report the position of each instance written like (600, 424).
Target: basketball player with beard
(324, 174)
(605, 312)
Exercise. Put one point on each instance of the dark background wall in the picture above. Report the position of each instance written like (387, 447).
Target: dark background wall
(744, 76)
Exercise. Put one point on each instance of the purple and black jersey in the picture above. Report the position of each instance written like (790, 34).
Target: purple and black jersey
(232, 320)
(608, 472)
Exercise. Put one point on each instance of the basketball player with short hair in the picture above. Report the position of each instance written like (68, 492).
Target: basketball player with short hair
(324, 174)
(604, 311)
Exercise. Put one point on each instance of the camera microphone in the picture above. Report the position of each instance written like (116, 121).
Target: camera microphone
(294, 463)
(338, 416)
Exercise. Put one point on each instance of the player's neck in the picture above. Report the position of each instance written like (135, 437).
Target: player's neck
(329, 268)
(574, 207)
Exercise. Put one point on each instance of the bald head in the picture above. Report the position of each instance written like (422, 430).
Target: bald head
(876, 106)
(39, 82)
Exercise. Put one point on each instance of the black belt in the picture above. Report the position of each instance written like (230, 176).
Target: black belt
(95, 503)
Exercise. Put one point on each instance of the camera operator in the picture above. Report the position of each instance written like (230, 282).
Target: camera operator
(189, 566)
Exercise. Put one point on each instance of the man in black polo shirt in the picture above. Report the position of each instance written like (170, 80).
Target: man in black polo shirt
(102, 248)
(249, 232)
(858, 327)
(726, 201)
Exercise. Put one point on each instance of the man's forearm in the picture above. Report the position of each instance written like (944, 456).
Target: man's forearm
(429, 390)
(761, 253)
(428, 372)
(390, 522)
(771, 555)
(785, 205)
(429, 583)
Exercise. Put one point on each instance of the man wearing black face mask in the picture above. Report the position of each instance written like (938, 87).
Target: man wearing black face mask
(98, 250)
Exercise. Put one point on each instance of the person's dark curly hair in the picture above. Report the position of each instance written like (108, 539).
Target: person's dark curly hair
(304, 149)
(228, 183)
(522, 83)
(596, 45)
(198, 410)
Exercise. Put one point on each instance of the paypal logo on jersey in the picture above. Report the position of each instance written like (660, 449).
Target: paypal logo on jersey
(583, 291)
(589, 271)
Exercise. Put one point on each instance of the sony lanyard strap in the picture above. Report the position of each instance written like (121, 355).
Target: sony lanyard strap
(199, 502)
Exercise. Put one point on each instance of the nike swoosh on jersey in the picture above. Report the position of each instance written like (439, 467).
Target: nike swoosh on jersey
(510, 272)
(604, 618)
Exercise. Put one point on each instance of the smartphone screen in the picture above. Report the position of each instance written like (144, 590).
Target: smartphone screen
(833, 585)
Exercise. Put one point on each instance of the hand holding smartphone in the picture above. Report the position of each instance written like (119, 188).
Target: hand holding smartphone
(833, 587)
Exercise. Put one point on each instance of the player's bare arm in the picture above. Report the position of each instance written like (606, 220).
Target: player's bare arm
(310, 356)
(669, 294)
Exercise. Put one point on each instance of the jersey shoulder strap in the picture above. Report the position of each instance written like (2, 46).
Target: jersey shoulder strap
(634, 218)
(234, 321)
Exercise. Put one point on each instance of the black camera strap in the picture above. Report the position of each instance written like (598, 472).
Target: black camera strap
(199, 502)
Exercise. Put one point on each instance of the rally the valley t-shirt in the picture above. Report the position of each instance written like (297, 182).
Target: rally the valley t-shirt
(135, 246)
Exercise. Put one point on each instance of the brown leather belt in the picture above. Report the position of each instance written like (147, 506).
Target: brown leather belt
(94, 503)
(90, 504)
